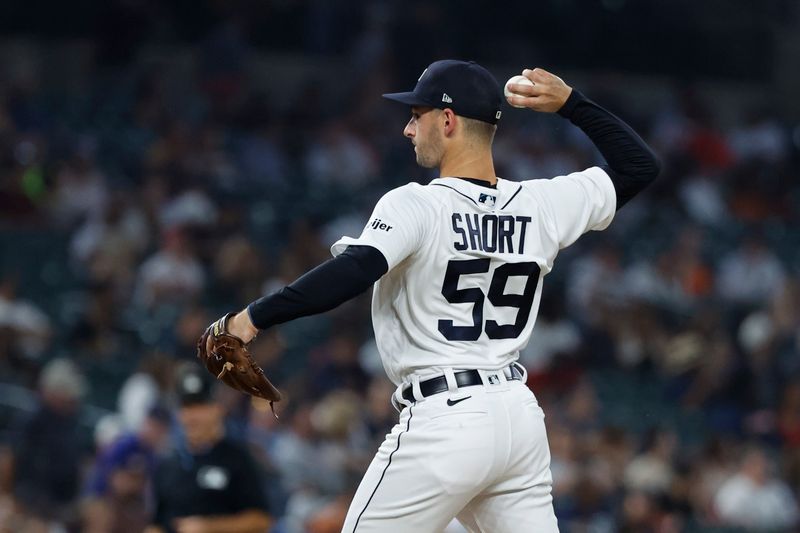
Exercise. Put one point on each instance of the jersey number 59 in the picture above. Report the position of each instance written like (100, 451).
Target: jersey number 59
(496, 295)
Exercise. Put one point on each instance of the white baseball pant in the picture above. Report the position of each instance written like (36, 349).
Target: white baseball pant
(484, 460)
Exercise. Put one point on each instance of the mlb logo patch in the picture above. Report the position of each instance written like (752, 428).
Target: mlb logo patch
(487, 199)
(493, 379)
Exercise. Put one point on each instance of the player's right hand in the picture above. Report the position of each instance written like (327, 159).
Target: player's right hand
(547, 95)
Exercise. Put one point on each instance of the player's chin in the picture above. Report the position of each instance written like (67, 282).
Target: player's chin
(426, 162)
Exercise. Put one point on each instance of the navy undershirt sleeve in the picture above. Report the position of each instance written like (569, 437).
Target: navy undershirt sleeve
(631, 164)
(327, 286)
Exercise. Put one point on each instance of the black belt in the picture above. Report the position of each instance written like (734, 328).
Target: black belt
(465, 378)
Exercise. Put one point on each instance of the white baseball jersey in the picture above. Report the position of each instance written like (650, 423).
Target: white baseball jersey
(466, 264)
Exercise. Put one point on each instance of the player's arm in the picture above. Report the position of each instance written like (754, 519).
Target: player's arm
(327, 286)
(631, 164)
(395, 230)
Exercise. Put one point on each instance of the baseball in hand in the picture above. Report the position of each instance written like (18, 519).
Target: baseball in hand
(522, 80)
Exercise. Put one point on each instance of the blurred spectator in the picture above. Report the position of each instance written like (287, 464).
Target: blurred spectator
(764, 376)
(322, 458)
(25, 330)
(556, 335)
(170, 149)
(658, 282)
(714, 386)
(210, 162)
(239, 268)
(173, 275)
(81, 191)
(789, 416)
(593, 283)
(262, 160)
(702, 197)
(224, 55)
(108, 245)
(642, 513)
(754, 498)
(191, 323)
(191, 208)
(712, 467)
(294, 451)
(330, 518)
(651, 472)
(107, 430)
(610, 452)
(370, 358)
(340, 158)
(137, 395)
(115, 498)
(379, 414)
(220, 485)
(692, 271)
(153, 196)
(751, 274)
(638, 333)
(759, 137)
(335, 365)
(50, 450)
(784, 312)
(22, 180)
(705, 143)
(264, 431)
(96, 333)
(581, 408)
(302, 475)
(343, 449)
(564, 465)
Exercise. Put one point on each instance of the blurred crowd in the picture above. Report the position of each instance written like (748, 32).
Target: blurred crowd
(139, 204)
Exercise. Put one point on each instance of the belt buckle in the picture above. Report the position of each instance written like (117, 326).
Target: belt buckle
(517, 372)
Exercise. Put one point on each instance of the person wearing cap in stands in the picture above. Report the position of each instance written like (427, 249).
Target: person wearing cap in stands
(115, 496)
(210, 483)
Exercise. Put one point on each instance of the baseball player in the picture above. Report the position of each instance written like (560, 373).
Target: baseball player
(458, 266)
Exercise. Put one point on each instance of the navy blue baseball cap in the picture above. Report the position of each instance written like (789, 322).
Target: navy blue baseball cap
(463, 86)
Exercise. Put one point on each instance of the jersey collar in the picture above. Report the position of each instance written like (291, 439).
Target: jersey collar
(466, 184)
(479, 183)
(484, 196)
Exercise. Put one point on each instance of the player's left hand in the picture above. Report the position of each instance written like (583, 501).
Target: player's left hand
(227, 357)
(547, 95)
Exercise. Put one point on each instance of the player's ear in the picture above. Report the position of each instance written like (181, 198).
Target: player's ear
(448, 121)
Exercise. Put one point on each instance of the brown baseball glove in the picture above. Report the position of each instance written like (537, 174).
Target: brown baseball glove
(226, 356)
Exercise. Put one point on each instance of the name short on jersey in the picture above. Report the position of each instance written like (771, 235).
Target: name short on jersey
(489, 232)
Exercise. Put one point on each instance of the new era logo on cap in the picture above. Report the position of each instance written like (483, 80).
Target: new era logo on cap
(463, 86)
